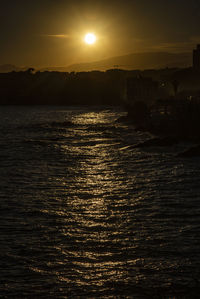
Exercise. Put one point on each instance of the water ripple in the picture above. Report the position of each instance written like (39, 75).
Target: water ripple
(82, 218)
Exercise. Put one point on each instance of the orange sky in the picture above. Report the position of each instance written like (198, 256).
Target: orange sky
(50, 33)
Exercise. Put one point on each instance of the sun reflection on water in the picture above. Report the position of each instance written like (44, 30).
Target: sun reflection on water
(101, 228)
(95, 230)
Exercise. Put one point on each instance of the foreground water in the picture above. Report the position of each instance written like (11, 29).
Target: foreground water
(82, 215)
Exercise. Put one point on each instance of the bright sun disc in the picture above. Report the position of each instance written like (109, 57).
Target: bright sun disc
(90, 38)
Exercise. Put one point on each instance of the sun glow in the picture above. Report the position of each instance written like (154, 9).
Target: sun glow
(90, 38)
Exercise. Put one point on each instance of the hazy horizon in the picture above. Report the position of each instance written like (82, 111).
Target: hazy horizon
(112, 62)
(52, 33)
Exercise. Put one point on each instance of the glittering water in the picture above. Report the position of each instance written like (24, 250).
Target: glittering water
(82, 215)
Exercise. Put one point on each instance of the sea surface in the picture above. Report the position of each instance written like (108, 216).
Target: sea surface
(85, 214)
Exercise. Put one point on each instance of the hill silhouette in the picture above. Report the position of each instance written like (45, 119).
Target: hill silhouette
(142, 61)
(134, 61)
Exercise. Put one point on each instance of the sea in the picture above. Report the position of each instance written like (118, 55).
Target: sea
(84, 213)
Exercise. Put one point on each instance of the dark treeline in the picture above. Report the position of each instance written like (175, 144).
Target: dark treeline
(90, 88)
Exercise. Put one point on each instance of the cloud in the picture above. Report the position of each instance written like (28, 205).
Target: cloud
(182, 46)
(55, 35)
(186, 46)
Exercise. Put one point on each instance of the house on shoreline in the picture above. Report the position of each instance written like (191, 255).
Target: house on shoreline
(141, 89)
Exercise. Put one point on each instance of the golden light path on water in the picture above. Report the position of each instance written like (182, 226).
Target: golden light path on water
(103, 243)
(92, 217)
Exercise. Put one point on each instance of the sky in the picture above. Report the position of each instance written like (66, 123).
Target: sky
(42, 33)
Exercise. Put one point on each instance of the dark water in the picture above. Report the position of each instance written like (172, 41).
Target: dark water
(84, 216)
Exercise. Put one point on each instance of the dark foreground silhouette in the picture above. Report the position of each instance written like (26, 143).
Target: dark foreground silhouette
(32, 87)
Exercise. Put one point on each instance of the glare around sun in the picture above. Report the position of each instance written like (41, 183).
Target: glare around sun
(90, 38)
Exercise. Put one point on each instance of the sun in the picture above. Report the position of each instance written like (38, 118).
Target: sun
(90, 38)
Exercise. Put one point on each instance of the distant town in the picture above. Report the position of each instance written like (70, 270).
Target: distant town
(115, 86)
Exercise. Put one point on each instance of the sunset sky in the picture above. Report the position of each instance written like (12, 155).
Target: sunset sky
(43, 33)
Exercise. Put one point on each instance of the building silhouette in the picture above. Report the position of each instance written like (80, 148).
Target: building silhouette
(196, 57)
(141, 89)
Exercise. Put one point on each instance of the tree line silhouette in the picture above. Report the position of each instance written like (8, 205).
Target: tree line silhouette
(90, 88)
(32, 87)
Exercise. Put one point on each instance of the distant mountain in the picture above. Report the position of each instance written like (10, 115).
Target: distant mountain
(135, 61)
(142, 61)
